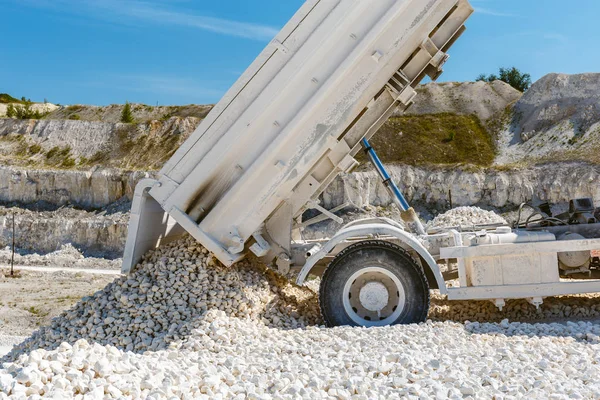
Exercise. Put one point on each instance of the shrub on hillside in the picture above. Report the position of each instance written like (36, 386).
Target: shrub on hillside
(23, 112)
(513, 76)
(10, 111)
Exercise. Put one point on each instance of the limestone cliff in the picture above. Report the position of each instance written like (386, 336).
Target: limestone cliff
(557, 119)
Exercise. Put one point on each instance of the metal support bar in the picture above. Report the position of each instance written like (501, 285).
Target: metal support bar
(325, 211)
(324, 217)
(207, 241)
(261, 247)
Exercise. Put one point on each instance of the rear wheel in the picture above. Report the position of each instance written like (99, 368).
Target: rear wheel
(374, 283)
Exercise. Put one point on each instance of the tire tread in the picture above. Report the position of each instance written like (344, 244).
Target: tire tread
(382, 244)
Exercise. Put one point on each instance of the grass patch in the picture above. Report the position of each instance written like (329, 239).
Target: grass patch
(6, 98)
(149, 153)
(73, 112)
(125, 133)
(34, 311)
(75, 109)
(16, 145)
(498, 123)
(60, 157)
(55, 151)
(101, 157)
(35, 149)
(12, 137)
(16, 274)
(434, 139)
(37, 312)
(68, 162)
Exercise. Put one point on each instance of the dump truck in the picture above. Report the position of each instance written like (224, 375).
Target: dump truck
(246, 180)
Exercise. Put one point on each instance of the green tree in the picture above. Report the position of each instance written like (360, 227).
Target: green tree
(127, 114)
(513, 76)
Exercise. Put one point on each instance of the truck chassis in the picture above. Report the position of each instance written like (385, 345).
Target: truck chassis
(292, 123)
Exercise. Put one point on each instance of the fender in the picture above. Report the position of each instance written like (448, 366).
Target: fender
(374, 229)
(374, 220)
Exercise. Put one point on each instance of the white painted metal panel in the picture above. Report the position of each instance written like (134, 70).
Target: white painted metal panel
(248, 86)
(523, 291)
(554, 247)
(512, 269)
(290, 111)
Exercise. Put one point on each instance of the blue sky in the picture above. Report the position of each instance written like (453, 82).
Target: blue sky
(191, 51)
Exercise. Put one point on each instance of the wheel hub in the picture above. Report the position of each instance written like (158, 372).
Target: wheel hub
(374, 296)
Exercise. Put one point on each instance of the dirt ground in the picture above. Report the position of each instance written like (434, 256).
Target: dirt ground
(31, 300)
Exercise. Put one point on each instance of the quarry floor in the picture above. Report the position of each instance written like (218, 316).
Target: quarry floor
(518, 356)
(33, 298)
(37, 294)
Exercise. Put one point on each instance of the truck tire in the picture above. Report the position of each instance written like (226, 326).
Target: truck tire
(374, 283)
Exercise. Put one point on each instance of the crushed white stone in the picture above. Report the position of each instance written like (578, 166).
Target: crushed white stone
(7, 343)
(183, 327)
(577, 307)
(66, 257)
(227, 358)
(167, 296)
(465, 217)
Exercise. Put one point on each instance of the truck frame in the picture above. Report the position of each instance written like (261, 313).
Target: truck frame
(291, 124)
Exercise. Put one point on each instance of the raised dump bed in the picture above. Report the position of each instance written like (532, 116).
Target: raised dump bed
(294, 121)
(291, 124)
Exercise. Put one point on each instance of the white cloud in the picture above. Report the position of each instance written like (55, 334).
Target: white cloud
(557, 37)
(157, 84)
(549, 36)
(127, 12)
(170, 85)
(487, 11)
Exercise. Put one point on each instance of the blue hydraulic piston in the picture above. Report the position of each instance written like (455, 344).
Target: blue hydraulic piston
(387, 180)
(408, 214)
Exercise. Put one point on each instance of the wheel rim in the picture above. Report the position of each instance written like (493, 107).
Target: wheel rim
(374, 296)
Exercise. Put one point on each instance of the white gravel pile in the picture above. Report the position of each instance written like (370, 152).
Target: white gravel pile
(465, 217)
(562, 308)
(183, 327)
(65, 257)
(577, 307)
(7, 342)
(227, 358)
(168, 295)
